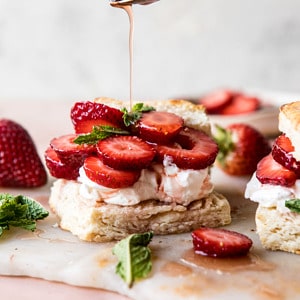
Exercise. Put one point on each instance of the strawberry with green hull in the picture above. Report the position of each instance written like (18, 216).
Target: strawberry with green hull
(20, 164)
(241, 147)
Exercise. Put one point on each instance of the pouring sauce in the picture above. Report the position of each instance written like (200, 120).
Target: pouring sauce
(127, 6)
(128, 9)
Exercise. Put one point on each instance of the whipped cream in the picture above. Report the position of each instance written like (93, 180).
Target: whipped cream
(268, 195)
(164, 182)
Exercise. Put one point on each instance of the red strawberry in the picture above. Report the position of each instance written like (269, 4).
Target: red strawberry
(282, 153)
(216, 101)
(192, 149)
(57, 168)
(220, 242)
(241, 104)
(159, 127)
(241, 147)
(125, 152)
(70, 153)
(85, 115)
(20, 164)
(102, 174)
(271, 172)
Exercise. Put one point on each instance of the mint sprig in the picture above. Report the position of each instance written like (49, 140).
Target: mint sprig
(130, 118)
(20, 211)
(99, 133)
(134, 257)
(293, 205)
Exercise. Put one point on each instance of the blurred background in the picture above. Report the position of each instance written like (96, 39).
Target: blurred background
(78, 49)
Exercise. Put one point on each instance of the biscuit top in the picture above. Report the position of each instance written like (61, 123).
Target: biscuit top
(194, 115)
(290, 112)
(289, 124)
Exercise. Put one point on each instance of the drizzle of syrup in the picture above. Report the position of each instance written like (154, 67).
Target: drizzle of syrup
(129, 11)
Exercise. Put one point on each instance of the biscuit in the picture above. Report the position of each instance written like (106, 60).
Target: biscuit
(278, 231)
(101, 222)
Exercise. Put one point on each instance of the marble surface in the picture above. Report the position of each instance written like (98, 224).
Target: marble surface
(62, 49)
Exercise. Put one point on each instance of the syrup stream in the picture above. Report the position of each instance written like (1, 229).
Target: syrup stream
(129, 11)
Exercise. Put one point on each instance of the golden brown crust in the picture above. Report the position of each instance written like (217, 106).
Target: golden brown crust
(101, 222)
(291, 111)
(193, 114)
(278, 231)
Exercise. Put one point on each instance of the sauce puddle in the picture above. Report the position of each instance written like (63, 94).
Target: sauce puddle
(250, 262)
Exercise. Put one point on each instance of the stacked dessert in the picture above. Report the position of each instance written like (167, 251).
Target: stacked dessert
(134, 170)
(275, 186)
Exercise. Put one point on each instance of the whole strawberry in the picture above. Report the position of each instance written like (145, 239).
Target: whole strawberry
(20, 164)
(241, 147)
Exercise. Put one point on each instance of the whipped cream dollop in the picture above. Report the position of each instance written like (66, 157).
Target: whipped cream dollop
(164, 182)
(269, 195)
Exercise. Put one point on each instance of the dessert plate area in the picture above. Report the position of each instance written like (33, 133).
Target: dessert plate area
(53, 264)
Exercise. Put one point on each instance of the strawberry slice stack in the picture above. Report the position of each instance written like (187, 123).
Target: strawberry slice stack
(280, 167)
(113, 145)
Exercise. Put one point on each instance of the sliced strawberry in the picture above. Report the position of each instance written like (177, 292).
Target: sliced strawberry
(85, 115)
(159, 127)
(20, 164)
(57, 168)
(125, 152)
(216, 101)
(241, 104)
(192, 149)
(106, 176)
(70, 153)
(220, 242)
(271, 172)
(282, 153)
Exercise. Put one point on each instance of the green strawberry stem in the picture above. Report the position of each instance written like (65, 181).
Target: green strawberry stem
(225, 143)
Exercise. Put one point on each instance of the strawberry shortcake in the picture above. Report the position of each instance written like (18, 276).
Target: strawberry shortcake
(129, 170)
(276, 186)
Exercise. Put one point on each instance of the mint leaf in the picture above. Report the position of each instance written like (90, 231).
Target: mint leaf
(20, 211)
(130, 118)
(134, 257)
(293, 205)
(99, 133)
